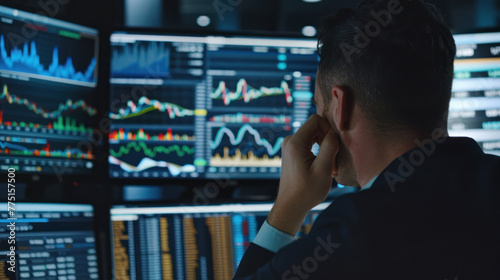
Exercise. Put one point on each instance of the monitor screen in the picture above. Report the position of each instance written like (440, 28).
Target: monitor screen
(186, 242)
(475, 102)
(206, 107)
(47, 241)
(48, 75)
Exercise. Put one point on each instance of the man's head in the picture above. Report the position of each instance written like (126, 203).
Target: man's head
(393, 62)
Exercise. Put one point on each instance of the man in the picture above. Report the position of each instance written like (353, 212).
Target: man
(429, 204)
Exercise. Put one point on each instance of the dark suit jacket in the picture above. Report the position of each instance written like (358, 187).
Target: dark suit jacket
(431, 214)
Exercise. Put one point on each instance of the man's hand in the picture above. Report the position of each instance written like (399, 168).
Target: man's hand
(305, 179)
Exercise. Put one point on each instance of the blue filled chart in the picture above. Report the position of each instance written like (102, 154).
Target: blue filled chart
(141, 60)
(27, 60)
(43, 59)
(156, 60)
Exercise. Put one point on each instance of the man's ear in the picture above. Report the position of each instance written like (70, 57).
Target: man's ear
(342, 111)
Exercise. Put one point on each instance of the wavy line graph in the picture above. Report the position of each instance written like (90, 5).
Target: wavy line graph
(145, 105)
(236, 140)
(30, 63)
(32, 106)
(147, 163)
(12, 146)
(251, 118)
(180, 151)
(248, 93)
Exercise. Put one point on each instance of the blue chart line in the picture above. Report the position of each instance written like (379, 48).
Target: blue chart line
(28, 61)
(12, 146)
(140, 61)
(41, 220)
(236, 140)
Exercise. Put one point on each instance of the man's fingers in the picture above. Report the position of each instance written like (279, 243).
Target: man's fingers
(325, 160)
(315, 127)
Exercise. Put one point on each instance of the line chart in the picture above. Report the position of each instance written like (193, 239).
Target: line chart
(145, 105)
(247, 93)
(69, 106)
(236, 140)
(251, 118)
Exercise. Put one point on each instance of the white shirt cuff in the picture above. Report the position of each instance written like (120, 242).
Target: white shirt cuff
(271, 238)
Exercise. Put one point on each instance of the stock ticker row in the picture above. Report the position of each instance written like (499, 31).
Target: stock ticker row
(59, 241)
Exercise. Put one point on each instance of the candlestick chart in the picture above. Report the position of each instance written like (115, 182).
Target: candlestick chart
(162, 105)
(241, 93)
(31, 110)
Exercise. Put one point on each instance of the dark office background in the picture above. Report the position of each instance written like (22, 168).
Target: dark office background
(281, 16)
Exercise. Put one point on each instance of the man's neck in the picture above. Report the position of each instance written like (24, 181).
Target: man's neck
(371, 153)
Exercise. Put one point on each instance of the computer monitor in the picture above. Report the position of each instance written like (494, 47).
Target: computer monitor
(186, 242)
(48, 77)
(47, 241)
(475, 102)
(206, 106)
